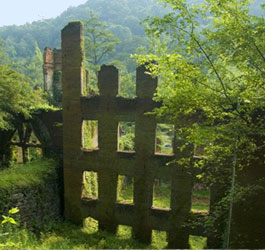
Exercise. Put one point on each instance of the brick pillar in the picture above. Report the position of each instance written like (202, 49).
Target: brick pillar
(180, 202)
(108, 81)
(48, 68)
(145, 147)
(72, 68)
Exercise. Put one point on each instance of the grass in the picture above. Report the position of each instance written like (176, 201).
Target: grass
(200, 197)
(201, 200)
(31, 174)
(65, 235)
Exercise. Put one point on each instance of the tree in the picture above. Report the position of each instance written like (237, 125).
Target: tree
(32, 67)
(17, 97)
(212, 83)
(99, 42)
(18, 101)
(214, 72)
(3, 55)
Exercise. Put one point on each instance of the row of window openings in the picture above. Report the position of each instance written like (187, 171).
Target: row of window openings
(159, 238)
(161, 192)
(126, 137)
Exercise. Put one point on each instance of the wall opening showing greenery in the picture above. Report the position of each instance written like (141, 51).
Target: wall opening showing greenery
(164, 139)
(200, 198)
(126, 136)
(90, 185)
(159, 238)
(125, 189)
(90, 224)
(161, 193)
(124, 231)
(197, 242)
(127, 86)
(90, 135)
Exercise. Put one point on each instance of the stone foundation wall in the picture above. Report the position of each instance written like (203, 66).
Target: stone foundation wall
(37, 204)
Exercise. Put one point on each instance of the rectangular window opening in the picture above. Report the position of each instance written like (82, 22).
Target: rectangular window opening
(124, 232)
(164, 139)
(90, 185)
(126, 136)
(90, 83)
(161, 193)
(125, 189)
(90, 224)
(200, 198)
(159, 239)
(90, 135)
(127, 86)
(35, 153)
(197, 242)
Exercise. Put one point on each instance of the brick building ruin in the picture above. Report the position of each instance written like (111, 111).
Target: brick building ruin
(52, 68)
(143, 165)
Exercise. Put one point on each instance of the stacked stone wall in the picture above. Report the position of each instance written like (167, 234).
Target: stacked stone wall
(37, 204)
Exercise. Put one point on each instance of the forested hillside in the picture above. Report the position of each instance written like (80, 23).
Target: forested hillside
(122, 18)
(25, 43)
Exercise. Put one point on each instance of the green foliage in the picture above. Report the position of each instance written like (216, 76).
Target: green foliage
(27, 175)
(32, 67)
(17, 97)
(4, 59)
(55, 95)
(127, 80)
(99, 42)
(7, 227)
(211, 79)
(64, 235)
(90, 134)
(125, 189)
(120, 18)
(126, 136)
(161, 195)
(164, 138)
(90, 185)
(212, 88)
(9, 219)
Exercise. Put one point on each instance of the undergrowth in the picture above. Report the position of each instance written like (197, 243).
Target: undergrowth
(65, 235)
(26, 175)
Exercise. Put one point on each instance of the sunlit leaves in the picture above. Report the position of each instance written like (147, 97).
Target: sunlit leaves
(212, 76)
(17, 97)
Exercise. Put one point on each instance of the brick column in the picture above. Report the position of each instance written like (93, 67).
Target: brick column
(180, 203)
(72, 64)
(108, 81)
(145, 130)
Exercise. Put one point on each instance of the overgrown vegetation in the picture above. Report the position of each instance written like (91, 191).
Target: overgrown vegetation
(211, 70)
(210, 60)
(27, 175)
(65, 235)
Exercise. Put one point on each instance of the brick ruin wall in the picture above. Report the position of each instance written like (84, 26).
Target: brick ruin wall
(52, 63)
(143, 165)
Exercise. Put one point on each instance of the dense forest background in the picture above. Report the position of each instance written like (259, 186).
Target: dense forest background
(24, 44)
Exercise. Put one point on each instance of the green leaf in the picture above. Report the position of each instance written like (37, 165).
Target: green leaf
(13, 210)
(8, 220)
